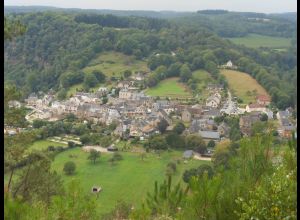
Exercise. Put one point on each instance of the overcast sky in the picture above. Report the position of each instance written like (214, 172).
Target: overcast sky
(266, 6)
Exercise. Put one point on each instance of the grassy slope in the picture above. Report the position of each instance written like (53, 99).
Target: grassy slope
(111, 64)
(114, 63)
(169, 87)
(240, 83)
(128, 180)
(255, 41)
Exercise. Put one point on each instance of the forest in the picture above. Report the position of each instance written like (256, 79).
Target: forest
(56, 43)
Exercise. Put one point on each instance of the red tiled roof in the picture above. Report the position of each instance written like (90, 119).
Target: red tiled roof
(263, 98)
(256, 105)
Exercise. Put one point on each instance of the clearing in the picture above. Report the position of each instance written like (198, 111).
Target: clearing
(256, 41)
(170, 87)
(242, 84)
(128, 180)
(114, 64)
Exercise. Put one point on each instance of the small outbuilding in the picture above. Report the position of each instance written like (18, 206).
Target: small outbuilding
(96, 189)
(112, 148)
(188, 154)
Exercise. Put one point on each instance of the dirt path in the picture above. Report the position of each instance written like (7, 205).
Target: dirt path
(97, 148)
(198, 157)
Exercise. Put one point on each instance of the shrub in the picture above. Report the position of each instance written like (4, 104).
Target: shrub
(69, 168)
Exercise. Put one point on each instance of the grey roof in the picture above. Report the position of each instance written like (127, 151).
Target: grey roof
(210, 134)
(188, 154)
(283, 114)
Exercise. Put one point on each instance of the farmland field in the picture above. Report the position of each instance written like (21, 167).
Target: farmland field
(242, 83)
(256, 40)
(169, 88)
(114, 63)
(128, 180)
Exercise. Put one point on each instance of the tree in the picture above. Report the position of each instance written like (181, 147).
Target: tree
(127, 73)
(211, 144)
(90, 81)
(195, 142)
(166, 199)
(69, 168)
(71, 144)
(12, 28)
(264, 117)
(175, 141)
(94, 155)
(116, 157)
(162, 125)
(62, 94)
(37, 181)
(185, 73)
(179, 128)
(199, 172)
(157, 142)
(99, 76)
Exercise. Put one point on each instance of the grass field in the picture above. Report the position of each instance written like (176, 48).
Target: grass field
(256, 40)
(43, 145)
(114, 63)
(169, 88)
(128, 180)
(240, 83)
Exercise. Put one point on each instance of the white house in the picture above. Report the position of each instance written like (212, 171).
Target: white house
(125, 94)
(213, 101)
(255, 108)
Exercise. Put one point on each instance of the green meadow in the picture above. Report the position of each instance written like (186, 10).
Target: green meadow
(170, 87)
(256, 41)
(128, 180)
(114, 64)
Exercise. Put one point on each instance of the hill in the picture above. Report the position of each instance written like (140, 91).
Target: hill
(242, 85)
(114, 64)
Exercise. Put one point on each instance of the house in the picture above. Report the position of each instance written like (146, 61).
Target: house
(229, 65)
(211, 113)
(14, 104)
(124, 85)
(283, 115)
(188, 154)
(246, 122)
(186, 116)
(213, 101)
(255, 107)
(263, 100)
(210, 135)
(223, 129)
(125, 94)
(269, 113)
(162, 114)
(286, 126)
(214, 87)
(102, 91)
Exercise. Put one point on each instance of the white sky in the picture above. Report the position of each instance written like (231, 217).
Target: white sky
(265, 6)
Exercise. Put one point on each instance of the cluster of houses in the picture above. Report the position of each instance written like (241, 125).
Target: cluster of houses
(138, 115)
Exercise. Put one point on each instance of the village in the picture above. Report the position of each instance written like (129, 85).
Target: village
(138, 115)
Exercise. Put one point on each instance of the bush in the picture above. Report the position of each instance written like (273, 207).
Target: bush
(69, 168)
